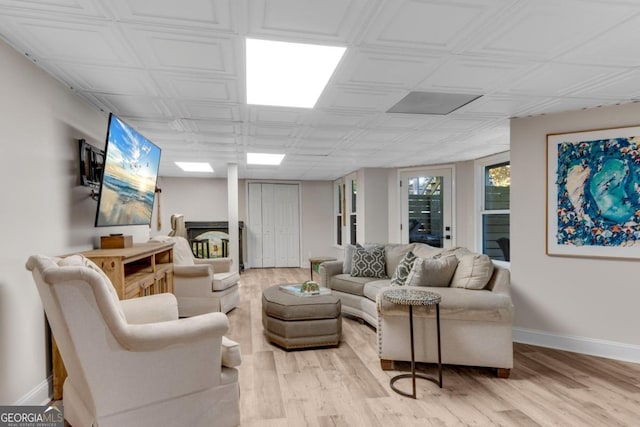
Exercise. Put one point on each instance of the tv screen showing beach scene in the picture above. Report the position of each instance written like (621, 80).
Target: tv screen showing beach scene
(129, 179)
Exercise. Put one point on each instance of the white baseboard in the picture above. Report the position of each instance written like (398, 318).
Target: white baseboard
(40, 395)
(590, 346)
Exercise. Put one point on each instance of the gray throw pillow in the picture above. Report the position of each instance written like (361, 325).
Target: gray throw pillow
(432, 272)
(348, 254)
(403, 269)
(368, 263)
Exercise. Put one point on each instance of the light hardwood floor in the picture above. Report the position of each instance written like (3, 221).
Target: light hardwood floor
(345, 386)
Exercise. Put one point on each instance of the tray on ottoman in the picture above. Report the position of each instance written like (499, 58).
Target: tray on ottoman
(292, 321)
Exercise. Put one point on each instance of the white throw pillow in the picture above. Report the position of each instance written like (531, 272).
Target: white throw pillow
(432, 272)
(348, 259)
(474, 272)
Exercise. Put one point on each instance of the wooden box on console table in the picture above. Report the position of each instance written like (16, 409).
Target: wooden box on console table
(143, 269)
(116, 242)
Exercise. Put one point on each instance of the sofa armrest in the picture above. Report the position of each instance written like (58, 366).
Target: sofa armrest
(219, 265)
(150, 309)
(500, 282)
(327, 270)
(192, 271)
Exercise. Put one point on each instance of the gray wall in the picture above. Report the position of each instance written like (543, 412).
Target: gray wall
(317, 221)
(466, 207)
(586, 304)
(44, 211)
(198, 199)
(372, 205)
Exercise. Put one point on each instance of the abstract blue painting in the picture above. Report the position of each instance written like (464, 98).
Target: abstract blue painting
(593, 193)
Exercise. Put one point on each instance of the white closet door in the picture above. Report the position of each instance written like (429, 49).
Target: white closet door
(287, 229)
(291, 232)
(255, 225)
(268, 225)
(274, 225)
(280, 197)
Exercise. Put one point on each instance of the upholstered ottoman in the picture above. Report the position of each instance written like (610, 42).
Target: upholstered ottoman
(292, 321)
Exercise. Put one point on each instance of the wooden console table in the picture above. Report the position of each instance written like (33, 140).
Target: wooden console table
(144, 269)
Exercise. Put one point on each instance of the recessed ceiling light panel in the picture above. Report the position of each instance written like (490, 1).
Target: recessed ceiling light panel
(432, 103)
(264, 159)
(288, 74)
(194, 166)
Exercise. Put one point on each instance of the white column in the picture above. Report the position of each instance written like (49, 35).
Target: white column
(232, 202)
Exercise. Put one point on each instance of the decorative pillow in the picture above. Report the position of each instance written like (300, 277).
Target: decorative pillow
(474, 272)
(422, 250)
(403, 269)
(458, 251)
(348, 258)
(348, 254)
(393, 254)
(432, 272)
(368, 263)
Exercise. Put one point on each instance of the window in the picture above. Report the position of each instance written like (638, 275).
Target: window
(425, 210)
(494, 209)
(353, 226)
(338, 208)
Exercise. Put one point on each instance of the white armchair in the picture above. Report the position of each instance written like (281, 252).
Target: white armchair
(177, 226)
(133, 362)
(203, 285)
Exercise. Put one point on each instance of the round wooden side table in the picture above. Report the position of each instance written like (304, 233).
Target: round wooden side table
(411, 297)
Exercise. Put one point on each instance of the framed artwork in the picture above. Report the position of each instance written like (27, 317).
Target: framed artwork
(593, 193)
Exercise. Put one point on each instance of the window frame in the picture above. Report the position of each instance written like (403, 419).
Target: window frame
(338, 211)
(350, 180)
(481, 165)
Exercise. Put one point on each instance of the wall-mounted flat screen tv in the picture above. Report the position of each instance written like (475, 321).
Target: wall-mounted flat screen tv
(129, 179)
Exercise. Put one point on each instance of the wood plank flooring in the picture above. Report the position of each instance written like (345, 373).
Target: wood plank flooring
(345, 386)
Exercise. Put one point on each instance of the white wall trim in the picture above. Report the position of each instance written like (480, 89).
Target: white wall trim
(39, 395)
(583, 345)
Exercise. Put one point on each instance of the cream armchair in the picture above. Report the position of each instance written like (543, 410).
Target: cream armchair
(202, 285)
(133, 362)
(177, 226)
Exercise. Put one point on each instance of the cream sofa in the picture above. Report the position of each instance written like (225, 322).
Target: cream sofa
(476, 324)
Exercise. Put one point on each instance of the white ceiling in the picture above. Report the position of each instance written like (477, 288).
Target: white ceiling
(175, 71)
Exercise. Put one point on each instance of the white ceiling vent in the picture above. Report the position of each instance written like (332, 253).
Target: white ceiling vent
(432, 103)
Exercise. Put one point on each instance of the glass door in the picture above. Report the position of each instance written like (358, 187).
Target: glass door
(426, 197)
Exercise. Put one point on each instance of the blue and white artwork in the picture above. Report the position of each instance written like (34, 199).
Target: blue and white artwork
(130, 174)
(594, 193)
